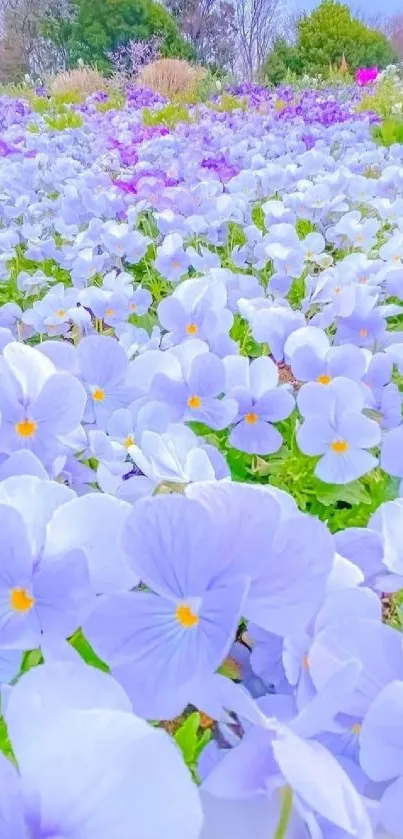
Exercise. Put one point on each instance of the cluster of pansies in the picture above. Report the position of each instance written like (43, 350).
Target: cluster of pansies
(201, 450)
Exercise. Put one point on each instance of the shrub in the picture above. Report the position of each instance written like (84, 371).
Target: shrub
(169, 115)
(171, 77)
(81, 81)
(324, 37)
(384, 97)
(101, 28)
(389, 132)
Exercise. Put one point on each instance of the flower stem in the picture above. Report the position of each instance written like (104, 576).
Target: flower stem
(285, 814)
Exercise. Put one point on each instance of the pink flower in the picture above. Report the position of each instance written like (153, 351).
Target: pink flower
(366, 75)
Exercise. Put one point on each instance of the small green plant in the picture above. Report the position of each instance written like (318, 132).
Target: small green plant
(384, 99)
(389, 132)
(63, 121)
(115, 102)
(229, 103)
(68, 97)
(169, 115)
(40, 105)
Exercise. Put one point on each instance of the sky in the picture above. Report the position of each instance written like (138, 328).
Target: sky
(387, 7)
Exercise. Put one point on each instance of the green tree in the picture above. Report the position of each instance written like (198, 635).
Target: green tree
(101, 27)
(331, 32)
(283, 57)
(323, 37)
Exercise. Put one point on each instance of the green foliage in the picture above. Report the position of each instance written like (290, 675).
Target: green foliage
(283, 59)
(80, 643)
(383, 99)
(389, 132)
(228, 103)
(323, 38)
(169, 115)
(114, 102)
(63, 121)
(100, 28)
(190, 741)
(331, 32)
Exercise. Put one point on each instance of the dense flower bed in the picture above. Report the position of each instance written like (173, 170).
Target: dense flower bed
(201, 450)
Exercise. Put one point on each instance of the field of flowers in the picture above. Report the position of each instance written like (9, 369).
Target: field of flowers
(201, 456)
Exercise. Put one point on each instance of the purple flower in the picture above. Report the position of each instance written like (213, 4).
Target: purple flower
(44, 591)
(172, 261)
(129, 766)
(335, 428)
(159, 642)
(103, 368)
(313, 359)
(287, 555)
(260, 403)
(40, 407)
(197, 395)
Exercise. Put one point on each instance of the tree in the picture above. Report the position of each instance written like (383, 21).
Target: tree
(102, 27)
(27, 28)
(210, 27)
(282, 58)
(258, 23)
(395, 27)
(331, 32)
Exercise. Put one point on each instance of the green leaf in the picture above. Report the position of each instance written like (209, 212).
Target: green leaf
(202, 743)
(80, 643)
(186, 738)
(354, 493)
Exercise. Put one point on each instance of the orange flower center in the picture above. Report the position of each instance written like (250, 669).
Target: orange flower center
(186, 617)
(356, 728)
(364, 332)
(324, 380)
(194, 402)
(251, 418)
(192, 329)
(339, 446)
(26, 428)
(98, 394)
(21, 600)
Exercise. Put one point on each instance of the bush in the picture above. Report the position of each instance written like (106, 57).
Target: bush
(389, 132)
(102, 28)
(169, 115)
(79, 82)
(171, 77)
(324, 38)
(331, 32)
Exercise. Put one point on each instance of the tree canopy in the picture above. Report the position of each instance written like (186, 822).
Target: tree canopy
(102, 27)
(323, 38)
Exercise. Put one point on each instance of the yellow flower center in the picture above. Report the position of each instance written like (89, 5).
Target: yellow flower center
(21, 600)
(364, 332)
(109, 313)
(98, 394)
(26, 428)
(186, 617)
(339, 446)
(194, 402)
(324, 380)
(251, 418)
(356, 728)
(192, 329)
(61, 313)
(129, 441)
